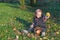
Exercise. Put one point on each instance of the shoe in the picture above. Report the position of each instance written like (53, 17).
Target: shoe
(43, 34)
(25, 31)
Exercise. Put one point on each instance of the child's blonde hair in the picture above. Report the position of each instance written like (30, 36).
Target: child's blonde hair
(38, 10)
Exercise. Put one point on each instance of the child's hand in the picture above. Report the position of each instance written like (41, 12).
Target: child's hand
(31, 26)
(48, 15)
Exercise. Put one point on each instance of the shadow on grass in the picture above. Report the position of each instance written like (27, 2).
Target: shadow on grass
(12, 4)
(26, 23)
(15, 7)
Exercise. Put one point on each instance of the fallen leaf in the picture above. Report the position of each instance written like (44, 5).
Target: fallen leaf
(57, 32)
(49, 26)
(32, 35)
(48, 30)
(52, 38)
(14, 29)
(44, 37)
(14, 18)
(41, 38)
(9, 38)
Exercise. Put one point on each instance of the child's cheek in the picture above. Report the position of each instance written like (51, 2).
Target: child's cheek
(38, 16)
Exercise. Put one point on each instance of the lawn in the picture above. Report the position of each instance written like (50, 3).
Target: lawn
(11, 16)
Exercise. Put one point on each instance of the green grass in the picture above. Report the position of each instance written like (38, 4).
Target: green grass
(11, 16)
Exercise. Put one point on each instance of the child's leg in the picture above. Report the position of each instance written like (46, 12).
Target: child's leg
(43, 31)
(31, 28)
(28, 31)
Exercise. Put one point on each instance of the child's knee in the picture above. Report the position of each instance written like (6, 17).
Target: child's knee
(43, 29)
(31, 29)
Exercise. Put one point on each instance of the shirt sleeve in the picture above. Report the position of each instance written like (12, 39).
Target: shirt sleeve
(45, 18)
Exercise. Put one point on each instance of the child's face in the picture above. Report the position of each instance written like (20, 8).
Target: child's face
(38, 14)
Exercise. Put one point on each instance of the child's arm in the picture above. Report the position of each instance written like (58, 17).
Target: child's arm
(46, 17)
(32, 25)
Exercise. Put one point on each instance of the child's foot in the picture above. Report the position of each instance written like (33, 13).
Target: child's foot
(27, 33)
(43, 34)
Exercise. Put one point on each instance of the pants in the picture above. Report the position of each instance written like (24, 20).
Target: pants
(32, 29)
